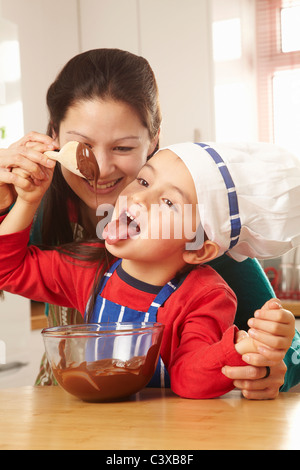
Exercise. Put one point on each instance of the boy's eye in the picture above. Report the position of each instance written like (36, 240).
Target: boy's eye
(143, 182)
(168, 202)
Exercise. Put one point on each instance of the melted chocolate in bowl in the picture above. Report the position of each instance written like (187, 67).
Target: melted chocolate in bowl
(87, 163)
(107, 379)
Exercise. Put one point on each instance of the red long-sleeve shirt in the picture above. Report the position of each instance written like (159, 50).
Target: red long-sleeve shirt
(199, 334)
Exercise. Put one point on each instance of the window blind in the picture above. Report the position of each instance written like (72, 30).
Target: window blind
(271, 59)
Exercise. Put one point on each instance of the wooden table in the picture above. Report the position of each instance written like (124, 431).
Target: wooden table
(154, 419)
(293, 306)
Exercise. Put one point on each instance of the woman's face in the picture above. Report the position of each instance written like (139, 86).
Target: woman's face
(120, 142)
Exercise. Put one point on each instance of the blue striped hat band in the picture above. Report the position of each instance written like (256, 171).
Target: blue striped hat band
(234, 215)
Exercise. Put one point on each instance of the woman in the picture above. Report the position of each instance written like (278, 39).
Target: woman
(108, 100)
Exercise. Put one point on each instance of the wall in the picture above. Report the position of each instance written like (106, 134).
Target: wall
(48, 35)
(176, 38)
(110, 23)
(11, 106)
(173, 35)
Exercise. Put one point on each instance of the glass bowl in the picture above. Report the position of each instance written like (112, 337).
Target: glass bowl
(103, 361)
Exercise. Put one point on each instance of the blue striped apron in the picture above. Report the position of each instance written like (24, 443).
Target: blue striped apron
(107, 311)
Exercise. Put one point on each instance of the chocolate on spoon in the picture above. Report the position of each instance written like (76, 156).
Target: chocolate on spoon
(87, 163)
(77, 158)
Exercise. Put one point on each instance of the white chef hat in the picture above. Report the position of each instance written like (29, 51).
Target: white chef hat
(248, 196)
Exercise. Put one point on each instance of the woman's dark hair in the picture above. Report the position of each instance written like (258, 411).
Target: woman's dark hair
(99, 73)
(106, 74)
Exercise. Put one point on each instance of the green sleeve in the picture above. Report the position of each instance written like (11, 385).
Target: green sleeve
(252, 289)
(292, 361)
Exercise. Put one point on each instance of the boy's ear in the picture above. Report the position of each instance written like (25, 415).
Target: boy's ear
(208, 251)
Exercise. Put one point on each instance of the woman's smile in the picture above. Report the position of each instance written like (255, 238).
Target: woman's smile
(104, 187)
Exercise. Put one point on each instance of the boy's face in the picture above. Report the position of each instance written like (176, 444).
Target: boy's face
(156, 215)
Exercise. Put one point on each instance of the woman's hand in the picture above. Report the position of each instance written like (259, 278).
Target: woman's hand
(26, 154)
(273, 330)
(271, 333)
(252, 380)
(270, 336)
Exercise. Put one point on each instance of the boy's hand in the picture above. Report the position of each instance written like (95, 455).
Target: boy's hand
(30, 193)
(28, 155)
(7, 196)
(29, 189)
(244, 344)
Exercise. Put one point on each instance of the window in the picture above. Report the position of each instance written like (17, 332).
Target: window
(11, 108)
(233, 28)
(278, 70)
(286, 108)
(290, 21)
(227, 40)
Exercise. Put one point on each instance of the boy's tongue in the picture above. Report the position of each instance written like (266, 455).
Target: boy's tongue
(120, 229)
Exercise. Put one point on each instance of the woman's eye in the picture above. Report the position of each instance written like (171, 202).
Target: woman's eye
(123, 149)
(143, 182)
(88, 145)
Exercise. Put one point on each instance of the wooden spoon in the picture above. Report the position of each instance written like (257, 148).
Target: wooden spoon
(79, 159)
(67, 157)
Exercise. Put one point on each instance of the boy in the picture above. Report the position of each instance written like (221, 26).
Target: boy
(151, 280)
